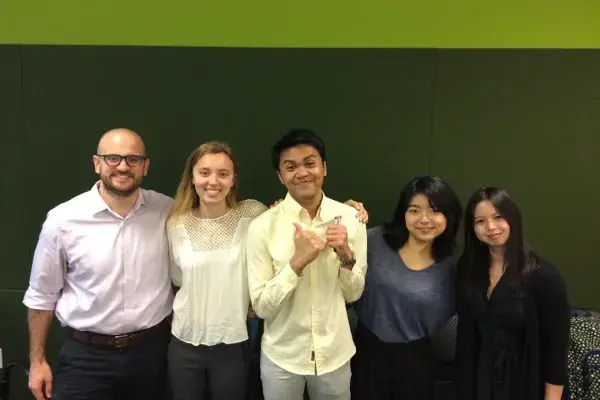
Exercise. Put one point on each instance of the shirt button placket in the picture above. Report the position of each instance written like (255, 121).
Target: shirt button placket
(314, 291)
(124, 263)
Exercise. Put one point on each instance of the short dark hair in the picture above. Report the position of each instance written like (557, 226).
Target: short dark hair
(296, 137)
(442, 198)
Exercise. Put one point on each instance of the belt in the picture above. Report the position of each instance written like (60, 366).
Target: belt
(118, 341)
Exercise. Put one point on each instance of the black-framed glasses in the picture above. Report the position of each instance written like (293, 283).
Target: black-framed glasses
(113, 160)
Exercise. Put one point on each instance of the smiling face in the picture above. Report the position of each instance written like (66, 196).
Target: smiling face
(120, 178)
(213, 178)
(489, 226)
(423, 222)
(302, 170)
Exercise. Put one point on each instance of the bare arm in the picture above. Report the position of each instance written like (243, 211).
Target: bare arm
(39, 322)
(552, 392)
(40, 374)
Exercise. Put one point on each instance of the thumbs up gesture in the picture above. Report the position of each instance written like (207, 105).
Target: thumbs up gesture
(308, 246)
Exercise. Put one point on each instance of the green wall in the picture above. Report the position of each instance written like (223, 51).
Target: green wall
(527, 120)
(307, 23)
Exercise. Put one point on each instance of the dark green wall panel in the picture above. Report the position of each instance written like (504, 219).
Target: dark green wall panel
(528, 121)
(13, 163)
(368, 104)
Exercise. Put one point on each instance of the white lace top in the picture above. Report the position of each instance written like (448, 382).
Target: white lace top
(208, 263)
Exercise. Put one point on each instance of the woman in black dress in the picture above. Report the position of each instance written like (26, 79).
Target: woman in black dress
(513, 324)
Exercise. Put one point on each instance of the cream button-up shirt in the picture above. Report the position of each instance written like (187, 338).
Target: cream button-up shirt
(306, 324)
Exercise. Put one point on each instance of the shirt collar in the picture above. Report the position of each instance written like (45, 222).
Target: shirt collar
(324, 213)
(97, 203)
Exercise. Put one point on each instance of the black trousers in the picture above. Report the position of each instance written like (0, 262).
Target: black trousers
(92, 372)
(218, 372)
(391, 371)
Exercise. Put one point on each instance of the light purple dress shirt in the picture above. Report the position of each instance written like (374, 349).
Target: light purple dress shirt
(101, 272)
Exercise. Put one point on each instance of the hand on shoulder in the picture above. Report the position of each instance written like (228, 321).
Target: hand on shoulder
(362, 215)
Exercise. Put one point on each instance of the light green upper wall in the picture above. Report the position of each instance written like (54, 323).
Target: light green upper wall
(304, 23)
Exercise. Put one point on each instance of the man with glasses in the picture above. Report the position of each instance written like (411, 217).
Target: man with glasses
(101, 266)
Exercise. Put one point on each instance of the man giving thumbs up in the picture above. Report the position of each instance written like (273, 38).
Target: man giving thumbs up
(306, 257)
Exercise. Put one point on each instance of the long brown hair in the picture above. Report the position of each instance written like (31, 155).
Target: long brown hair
(186, 198)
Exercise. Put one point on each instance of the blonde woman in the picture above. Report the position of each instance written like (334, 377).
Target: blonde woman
(208, 352)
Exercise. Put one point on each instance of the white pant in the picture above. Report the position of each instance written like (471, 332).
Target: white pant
(279, 384)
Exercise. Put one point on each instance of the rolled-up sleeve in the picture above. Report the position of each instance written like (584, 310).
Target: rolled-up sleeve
(48, 269)
(352, 281)
(268, 290)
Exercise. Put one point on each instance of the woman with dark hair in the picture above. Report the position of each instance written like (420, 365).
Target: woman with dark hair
(513, 324)
(408, 295)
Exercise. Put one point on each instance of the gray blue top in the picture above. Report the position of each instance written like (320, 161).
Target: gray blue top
(399, 304)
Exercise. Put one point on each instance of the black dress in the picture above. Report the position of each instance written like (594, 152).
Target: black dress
(510, 346)
(500, 334)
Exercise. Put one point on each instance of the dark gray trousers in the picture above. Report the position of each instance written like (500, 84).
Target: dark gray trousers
(87, 371)
(208, 372)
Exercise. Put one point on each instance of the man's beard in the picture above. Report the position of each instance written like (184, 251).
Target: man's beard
(112, 190)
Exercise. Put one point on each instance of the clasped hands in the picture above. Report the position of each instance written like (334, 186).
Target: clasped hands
(309, 245)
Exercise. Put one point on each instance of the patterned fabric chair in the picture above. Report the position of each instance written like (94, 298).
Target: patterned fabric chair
(444, 349)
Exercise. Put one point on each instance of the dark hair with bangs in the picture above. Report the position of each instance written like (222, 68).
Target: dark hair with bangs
(442, 198)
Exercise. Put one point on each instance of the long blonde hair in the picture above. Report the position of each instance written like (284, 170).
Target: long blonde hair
(186, 198)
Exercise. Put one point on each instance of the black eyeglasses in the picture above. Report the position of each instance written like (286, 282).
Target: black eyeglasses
(115, 159)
